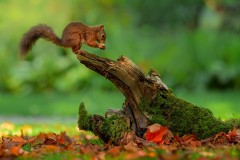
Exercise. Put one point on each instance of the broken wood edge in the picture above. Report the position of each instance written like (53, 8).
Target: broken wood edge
(130, 80)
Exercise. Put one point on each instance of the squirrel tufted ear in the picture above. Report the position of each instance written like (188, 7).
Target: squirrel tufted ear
(101, 27)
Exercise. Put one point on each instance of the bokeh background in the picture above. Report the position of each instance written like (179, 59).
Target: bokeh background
(194, 45)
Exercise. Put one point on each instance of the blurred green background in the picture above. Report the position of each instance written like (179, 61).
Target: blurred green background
(194, 45)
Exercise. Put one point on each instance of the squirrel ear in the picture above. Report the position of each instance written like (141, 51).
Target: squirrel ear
(101, 27)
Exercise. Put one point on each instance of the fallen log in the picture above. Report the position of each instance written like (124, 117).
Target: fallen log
(148, 100)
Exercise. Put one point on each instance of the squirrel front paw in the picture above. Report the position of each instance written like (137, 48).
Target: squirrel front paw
(101, 46)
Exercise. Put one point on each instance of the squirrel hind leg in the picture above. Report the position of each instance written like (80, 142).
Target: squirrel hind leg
(81, 52)
(76, 49)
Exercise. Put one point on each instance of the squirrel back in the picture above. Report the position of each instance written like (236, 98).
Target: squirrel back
(73, 36)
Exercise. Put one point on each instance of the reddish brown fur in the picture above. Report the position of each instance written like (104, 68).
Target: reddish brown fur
(73, 36)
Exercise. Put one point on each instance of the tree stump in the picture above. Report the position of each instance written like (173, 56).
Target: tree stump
(148, 100)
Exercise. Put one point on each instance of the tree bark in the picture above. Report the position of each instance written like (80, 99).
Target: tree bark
(148, 101)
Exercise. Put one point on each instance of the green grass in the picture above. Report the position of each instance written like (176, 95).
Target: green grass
(224, 104)
(59, 104)
(32, 129)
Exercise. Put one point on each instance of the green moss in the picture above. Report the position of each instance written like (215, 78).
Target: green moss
(115, 126)
(154, 113)
(83, 118)
(180, 116)
(183, 117)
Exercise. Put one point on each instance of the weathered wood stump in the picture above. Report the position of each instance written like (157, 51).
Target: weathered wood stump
(148, 101)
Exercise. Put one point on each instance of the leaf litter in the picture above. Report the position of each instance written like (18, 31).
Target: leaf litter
(157, 143)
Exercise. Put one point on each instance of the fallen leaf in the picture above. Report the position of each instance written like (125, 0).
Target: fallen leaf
(234, 135)
(39, 140)
(51, 136)
(114, 151)
(18, 139)
(50, 148)
(131, 146)
(155, 133)
(63, 139)
(137, 155)
(16, 150)
(168, 137)
(190, 140)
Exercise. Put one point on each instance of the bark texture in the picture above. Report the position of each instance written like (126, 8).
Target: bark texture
(148, 101)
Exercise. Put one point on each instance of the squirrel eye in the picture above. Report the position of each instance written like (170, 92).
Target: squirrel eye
(103, 36)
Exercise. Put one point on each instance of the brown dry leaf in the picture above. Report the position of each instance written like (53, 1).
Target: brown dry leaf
(51, 148)
(40, 139)
(176, 138)
(142, 142)
(101, 155)
(89, 149)
(114, 151)
(63, 139)
(238, 132)
(131, 146)
(7, 143)
(221, 138)
(51, 135)
(155, 127)
(190, 140)
(31, 140)
(127, 137)
(18, 139)
(168, 137)
(234, 135)
(137, 155)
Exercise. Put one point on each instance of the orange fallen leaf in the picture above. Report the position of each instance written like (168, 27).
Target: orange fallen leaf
(156, 133)
(114, 151)
(63, 139)
(16, 150)
(51, 148)
(234, 135)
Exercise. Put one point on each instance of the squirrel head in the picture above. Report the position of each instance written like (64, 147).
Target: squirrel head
(101, 35)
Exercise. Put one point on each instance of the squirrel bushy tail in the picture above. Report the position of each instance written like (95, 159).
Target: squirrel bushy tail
(36, 32)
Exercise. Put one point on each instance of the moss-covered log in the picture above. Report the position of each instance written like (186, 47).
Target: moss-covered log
(148, 101)
(183, 117)
(109, 128)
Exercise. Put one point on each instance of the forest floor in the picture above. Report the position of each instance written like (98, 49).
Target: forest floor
(44, 126)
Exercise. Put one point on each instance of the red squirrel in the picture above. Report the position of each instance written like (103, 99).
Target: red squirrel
(73, 36)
